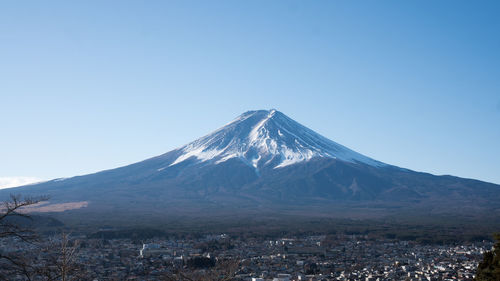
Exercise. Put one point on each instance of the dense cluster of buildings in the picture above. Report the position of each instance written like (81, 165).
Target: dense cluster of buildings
(344, 257)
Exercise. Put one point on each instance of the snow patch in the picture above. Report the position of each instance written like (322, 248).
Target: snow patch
(202, 153)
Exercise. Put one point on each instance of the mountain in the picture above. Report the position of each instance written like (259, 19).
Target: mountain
(263, 161)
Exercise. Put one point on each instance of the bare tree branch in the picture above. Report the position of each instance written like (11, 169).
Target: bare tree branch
(12, 264)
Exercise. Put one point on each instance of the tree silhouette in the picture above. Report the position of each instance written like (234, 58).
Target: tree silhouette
(489, 268)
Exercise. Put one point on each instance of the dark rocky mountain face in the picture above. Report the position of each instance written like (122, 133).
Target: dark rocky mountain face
(265, 161)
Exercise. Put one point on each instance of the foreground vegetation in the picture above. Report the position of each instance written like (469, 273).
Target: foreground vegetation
(489, 268)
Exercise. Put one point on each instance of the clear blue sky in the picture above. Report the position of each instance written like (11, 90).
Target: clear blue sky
(93, 85)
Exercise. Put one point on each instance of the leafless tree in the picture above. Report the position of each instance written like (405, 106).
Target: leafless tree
(11, 211)
(14, 209)
(59, 259)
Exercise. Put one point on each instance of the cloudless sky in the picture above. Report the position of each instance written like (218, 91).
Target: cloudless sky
(93, 85)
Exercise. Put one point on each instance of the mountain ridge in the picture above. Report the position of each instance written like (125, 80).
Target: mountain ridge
(264, 160)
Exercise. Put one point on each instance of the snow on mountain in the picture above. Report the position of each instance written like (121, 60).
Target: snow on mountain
(267, 138)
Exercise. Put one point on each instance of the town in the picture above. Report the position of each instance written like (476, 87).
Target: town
(313, 257)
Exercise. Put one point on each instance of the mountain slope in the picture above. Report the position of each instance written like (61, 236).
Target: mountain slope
(263, 160)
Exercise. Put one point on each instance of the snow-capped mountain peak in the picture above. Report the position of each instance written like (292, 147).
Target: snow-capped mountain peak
(267, 138)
